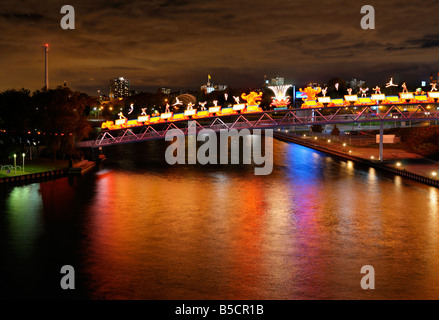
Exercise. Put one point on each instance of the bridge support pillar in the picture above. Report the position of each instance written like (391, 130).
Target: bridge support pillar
(381, 140)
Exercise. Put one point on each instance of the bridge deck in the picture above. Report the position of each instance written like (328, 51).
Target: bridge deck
(269, 119)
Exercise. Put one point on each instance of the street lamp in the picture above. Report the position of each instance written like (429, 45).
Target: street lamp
(15, 163)
(23, 160)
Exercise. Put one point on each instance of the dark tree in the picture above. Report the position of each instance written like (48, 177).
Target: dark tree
(61, 117)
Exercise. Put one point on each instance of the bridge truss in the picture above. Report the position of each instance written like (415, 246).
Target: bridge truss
(269, 120)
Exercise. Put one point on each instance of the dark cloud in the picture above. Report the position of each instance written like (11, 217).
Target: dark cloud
(427, 41)
(176, 43)
(22, 16)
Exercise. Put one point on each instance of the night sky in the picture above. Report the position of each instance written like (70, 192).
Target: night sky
(176, 43)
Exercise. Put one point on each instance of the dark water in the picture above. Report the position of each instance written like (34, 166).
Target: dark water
(141, 229)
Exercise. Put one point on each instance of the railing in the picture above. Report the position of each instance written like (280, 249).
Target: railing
(357, 140)
(272, 119)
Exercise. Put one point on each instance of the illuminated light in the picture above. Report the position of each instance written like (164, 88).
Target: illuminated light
(226, 111)
(351, 98)
(214, 109)
(179, 116)
(329, 140)
(201, 114)
(280, 97)
(240, 106)
(434, 173)
(378, 97)
(252, 98)
(433, 94)
(132, 123)
(344, 144)
(365, 100)
(286, 131)
(190, 112)
(315, 138)
(111, 108)
(350, 151)
(406, 95)
(154, 119)
(392, 98)
(120, 121)
(398, 164)
(337, 102)
(372, 157)
(310, 104)
(280, 91)
(310, 92)
(166, 115)
(304, 135)
(391, 84)
(253, 108)
(107, 124)
(421, 98)
(324, 99)
(143, 118)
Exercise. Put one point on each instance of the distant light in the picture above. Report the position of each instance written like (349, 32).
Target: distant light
(344, 144)
(350, 151)
(329, 140)
(315, 138)
(423, 83)
(434, 174)
(372, 157)
(398, 164)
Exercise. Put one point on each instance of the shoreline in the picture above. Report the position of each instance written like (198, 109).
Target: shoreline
(358, 157)
(44, 169)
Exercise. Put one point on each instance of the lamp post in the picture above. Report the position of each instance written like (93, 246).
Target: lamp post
(15, 163)
(23, 160)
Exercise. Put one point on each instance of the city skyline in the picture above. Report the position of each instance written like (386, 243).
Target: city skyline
(177, 43)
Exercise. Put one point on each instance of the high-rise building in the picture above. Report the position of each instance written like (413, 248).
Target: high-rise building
(278, 81)
(119, 88)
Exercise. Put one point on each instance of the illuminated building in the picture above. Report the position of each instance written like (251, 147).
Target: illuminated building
(166, 91)
(119, 88)
(210, 87)
(278, 81)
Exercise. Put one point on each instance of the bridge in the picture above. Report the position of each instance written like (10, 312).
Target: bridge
(144, 131)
